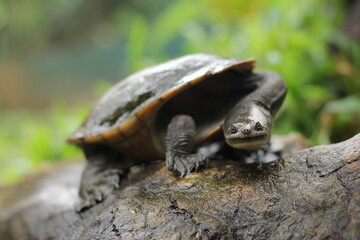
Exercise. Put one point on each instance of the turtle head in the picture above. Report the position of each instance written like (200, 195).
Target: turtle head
(248, 126)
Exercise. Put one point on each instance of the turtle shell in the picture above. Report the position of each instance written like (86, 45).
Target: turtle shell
(133, 115)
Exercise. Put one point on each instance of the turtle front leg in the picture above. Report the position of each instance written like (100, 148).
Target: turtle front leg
(100, 176)
(180, 141)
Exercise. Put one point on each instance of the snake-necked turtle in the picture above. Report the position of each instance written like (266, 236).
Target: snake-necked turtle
(152, 115)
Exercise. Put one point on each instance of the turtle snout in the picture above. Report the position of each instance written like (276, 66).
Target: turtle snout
(239, 129)
(246, 130)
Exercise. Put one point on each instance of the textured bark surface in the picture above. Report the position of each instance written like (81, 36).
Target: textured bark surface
(311, 194)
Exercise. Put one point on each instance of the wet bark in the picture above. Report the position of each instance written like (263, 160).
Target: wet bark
(310, 194)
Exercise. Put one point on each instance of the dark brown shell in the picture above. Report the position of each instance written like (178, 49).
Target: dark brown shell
(125, 115)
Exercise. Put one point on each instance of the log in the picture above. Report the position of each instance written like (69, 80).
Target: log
(310, 194)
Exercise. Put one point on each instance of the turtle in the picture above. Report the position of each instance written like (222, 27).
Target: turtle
(168, 110)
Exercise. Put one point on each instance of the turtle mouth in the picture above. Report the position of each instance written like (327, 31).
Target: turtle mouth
(248, 142)
(247, 139)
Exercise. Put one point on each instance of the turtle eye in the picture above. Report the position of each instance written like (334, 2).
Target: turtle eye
(258, 126)
(233, 129)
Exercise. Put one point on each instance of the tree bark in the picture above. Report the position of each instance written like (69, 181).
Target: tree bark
(310, 194)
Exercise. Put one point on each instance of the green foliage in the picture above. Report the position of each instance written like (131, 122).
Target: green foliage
(31, 138)
(337, 119)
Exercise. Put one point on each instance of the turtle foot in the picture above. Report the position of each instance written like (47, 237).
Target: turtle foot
(96, 188)
(186, 163)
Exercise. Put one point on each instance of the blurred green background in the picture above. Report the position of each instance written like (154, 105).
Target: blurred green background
(57, 57)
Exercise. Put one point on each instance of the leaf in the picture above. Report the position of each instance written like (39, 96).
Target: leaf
(170, 23)
(347, 105)
(136, 43)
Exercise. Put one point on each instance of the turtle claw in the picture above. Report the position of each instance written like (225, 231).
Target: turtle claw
(186, 163)
(95, 189)
(89, 197)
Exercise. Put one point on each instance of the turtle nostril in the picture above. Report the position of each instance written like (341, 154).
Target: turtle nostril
(246, 130)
